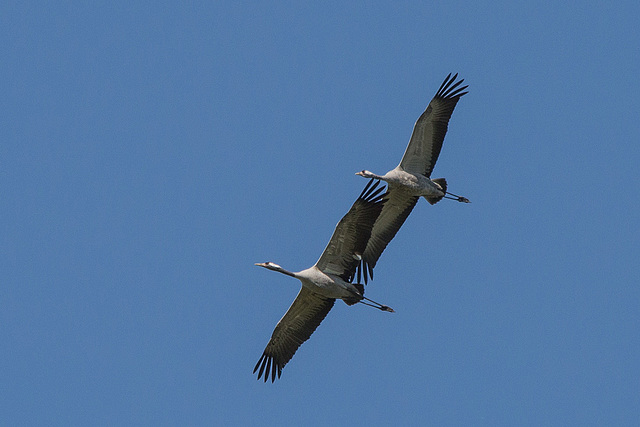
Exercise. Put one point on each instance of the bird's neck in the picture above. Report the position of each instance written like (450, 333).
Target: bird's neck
(287, 272)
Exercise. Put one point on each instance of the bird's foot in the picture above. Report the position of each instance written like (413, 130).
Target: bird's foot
(458, 198)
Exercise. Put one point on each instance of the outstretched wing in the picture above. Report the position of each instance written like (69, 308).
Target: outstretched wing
(349, 240)
(398, 205)
(430, 128)
(295, 327)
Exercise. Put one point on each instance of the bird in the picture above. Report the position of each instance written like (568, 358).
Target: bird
(329, 279)
(411, 179)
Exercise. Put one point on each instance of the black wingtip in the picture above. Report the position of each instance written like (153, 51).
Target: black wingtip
(369, 193)
(367, 188)
(449, 90)
(268, 367)
(365, 272)
(273, 371)
(261, 363)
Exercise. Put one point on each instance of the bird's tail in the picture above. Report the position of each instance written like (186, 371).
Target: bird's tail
(443, 185)
(355, 298)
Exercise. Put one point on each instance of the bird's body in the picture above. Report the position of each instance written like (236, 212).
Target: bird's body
(411, 184)
(325, 282)
(327, 285)
(321, 283)
(411, 179)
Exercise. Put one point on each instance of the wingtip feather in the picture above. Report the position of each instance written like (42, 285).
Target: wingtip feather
(450, 88)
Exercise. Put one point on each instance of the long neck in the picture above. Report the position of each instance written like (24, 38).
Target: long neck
(374, 176)
(283, 271)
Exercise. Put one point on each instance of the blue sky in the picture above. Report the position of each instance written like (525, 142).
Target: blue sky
(152, 152)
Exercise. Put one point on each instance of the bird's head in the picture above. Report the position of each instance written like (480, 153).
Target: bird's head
(365, 173)
(275, 267)
(269, 265)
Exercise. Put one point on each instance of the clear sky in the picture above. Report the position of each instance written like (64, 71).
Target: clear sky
(152, 152)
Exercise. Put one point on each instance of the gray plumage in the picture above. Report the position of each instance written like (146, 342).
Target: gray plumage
(411, 179)
(329, 279)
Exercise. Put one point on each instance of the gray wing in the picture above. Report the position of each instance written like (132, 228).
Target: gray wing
(430, 128)
(349, 240)
(295, 327)
(397, 208)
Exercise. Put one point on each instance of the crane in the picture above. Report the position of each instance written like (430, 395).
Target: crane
(411, 179)
(329, 279)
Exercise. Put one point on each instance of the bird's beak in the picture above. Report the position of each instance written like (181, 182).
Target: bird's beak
(359, 173)
(260, 264)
